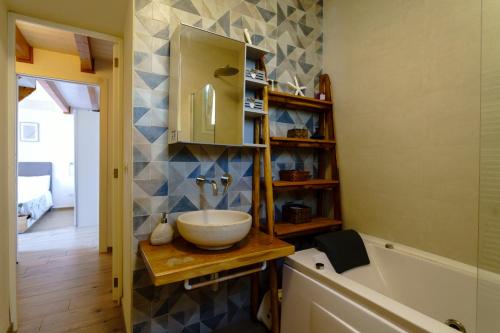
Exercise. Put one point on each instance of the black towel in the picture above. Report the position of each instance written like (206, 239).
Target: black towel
(345, 249)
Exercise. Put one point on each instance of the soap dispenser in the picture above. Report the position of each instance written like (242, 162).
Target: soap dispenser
(163, 233)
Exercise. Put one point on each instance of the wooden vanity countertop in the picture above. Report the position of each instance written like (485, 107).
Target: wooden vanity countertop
(181, 260)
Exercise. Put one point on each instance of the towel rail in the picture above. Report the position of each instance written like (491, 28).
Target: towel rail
(189, 286)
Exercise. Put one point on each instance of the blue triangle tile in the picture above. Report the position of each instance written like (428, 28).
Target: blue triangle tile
(163, 33)
(285, 118)
(151, 133)
(249, 172)
(267, 15)
(162, 191)
(139, 166)
(305, 29)
(206, 310)
(139, 57)
(139, 112)
(138, 221)
(237, 157)
(163, 309)
(184, 155)
(257, 39)
(163, 50)
(213, 322)
(139, 328)
(196, 172)
(193, 328)
(236, 201)
(179, 316)
(211, 172)
(151, 79)
(310, 124)
(187, 6)
(161, 103)
(139, 156)
(184, 205)
(223, 203)
(223, 162)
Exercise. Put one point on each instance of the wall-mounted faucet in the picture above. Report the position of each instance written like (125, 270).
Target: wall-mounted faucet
(201, 180)
(226, 181)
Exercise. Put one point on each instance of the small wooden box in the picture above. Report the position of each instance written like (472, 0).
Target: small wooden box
(296, 213)
(302, 133)
(22, 224)
(294, 175)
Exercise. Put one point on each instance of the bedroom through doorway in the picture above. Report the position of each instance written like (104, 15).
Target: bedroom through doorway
(58, 168)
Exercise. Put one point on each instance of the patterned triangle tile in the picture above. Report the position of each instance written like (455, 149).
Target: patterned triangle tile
(152, 80)
(185, 5)
(138, 222)
(151, 133)
(224, 23)
(159, 324)
(139, 112)
(159, 205)
(214, 322)
(140, 4)
(139, 209)
(195, 173)
(246, 198)
(223, 203)
(161, 13)
(142, 97)
(184, 205)
(184, 155)
(267, 15)
(176, 178)
(236, 201)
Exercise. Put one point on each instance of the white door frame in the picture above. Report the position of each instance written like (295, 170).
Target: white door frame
(114, 154)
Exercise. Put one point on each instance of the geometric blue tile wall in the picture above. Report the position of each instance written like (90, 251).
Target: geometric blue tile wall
(164, 176)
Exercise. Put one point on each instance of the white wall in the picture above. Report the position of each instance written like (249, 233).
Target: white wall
(87, 167)
(56, 143)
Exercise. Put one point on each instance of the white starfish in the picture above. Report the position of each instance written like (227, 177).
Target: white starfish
(297, 87)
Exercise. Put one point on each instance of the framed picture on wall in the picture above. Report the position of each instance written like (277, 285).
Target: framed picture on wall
(29, 132)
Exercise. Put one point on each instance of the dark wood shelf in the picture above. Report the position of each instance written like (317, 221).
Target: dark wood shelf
(283, 185)
(301, 143)
(298, 102)
(318, 224)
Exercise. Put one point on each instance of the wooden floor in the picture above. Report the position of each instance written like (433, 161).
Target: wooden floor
(63, 283)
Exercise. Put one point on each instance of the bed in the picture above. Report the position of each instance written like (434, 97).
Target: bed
(34, 192)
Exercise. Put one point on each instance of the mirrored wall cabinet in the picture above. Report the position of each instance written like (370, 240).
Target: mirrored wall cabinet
(216, 89)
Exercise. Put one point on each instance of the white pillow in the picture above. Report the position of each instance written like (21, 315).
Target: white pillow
(29, 188)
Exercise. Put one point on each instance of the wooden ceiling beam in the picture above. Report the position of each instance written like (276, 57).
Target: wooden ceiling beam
(25, 92)
(51, 88)
(86, 59)
(94, 100)
(24, 51)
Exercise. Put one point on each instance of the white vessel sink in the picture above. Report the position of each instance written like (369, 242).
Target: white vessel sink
(214, 229)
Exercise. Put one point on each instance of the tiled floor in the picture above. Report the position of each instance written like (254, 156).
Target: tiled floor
(63, 283)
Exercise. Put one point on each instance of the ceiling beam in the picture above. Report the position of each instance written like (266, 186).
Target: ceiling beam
(94, 101)
(24, 92)
(24, 51)
(51, 89)
(86, 59)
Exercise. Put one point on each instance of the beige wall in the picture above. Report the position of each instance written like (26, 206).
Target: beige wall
(407, 92)
(4, 236)
(489, 213)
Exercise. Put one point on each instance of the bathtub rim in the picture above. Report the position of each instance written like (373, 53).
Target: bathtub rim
(398, 313)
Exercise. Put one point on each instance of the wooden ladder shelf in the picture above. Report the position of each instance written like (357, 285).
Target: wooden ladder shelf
(326, 182)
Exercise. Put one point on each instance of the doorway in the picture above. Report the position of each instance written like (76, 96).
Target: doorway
(68, 279)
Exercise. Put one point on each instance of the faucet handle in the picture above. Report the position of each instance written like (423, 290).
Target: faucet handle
(226, 181)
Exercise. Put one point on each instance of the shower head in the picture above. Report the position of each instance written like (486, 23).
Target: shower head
(226, 71)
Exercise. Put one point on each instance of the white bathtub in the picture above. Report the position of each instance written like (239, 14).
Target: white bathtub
(402, 290)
